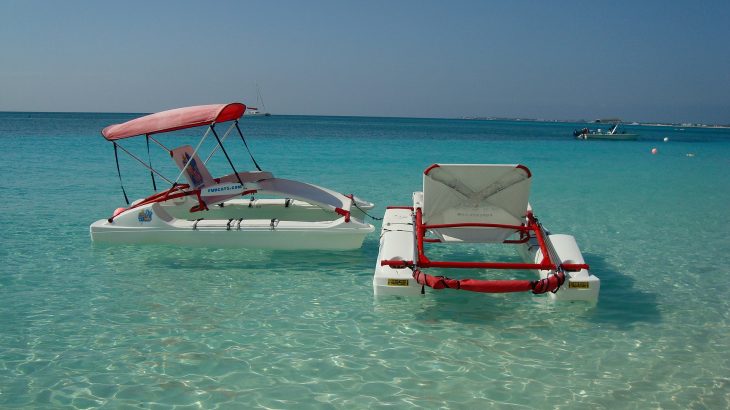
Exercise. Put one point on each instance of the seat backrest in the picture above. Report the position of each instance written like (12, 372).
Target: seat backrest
(196, 173)
(475, 193)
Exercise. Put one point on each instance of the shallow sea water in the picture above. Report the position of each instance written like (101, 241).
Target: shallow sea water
(85, 326)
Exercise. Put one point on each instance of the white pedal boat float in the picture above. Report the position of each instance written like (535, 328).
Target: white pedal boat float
(484, 204)
(211, 212)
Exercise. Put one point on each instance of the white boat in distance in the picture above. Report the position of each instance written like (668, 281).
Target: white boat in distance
(477, 204)
(599, 134)
(254, 111)
(211, 212)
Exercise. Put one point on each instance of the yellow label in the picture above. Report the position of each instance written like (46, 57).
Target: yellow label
(397, 282)
(579, 285)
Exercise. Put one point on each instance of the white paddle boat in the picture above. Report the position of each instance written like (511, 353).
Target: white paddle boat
(212, 212)
(477, 204)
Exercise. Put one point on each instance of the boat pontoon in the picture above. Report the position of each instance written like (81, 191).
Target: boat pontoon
(477, 204)
(211, 212)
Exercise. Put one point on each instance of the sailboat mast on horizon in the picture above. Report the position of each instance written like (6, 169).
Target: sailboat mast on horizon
(254, 111)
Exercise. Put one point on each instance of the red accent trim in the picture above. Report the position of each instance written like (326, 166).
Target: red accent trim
(520, 228)
(399, 207)
(249, 192)
(201, 206)
(469, 265)
(488, 265)
(529, 174)
(170, 193)
(344, 213)
(430, 168)
(420, 233)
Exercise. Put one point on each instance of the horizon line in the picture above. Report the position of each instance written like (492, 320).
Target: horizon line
(466, 118)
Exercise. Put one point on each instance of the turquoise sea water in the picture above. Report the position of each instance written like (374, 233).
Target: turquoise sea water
(85, 326)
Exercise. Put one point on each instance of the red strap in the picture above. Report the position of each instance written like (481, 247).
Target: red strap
(344, 213)
(551, 283)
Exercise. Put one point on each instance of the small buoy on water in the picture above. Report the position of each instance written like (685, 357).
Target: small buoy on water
(691, 154)
(666, 139)
(654, 151)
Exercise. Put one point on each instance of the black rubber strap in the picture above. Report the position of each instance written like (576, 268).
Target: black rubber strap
(149, 159)
(119, 172)
(247, 149)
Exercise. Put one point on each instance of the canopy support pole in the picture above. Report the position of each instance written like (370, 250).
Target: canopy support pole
(247, 149)
(212, 128)
(158, 143)
(149, 159)
(144, 164)
(119, 173)
(215, 149)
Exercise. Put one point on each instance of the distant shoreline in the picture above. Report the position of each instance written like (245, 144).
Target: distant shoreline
(470, 118)
(643, 124)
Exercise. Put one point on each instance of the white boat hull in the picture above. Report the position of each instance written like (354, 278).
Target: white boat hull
(152, 224)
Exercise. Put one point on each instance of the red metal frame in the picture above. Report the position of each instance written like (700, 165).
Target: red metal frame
(532, 228)
(551, 283)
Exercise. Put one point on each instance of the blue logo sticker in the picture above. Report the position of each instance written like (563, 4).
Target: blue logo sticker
(144, 216)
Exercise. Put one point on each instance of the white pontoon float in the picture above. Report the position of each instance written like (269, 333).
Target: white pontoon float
(211, 212)
(485, 204)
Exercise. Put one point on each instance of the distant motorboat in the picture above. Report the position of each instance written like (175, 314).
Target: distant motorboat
(599, 134)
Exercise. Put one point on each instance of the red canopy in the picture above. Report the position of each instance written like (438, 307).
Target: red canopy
(177, 119)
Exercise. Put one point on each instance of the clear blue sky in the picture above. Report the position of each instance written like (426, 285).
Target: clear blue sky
(638, 60)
